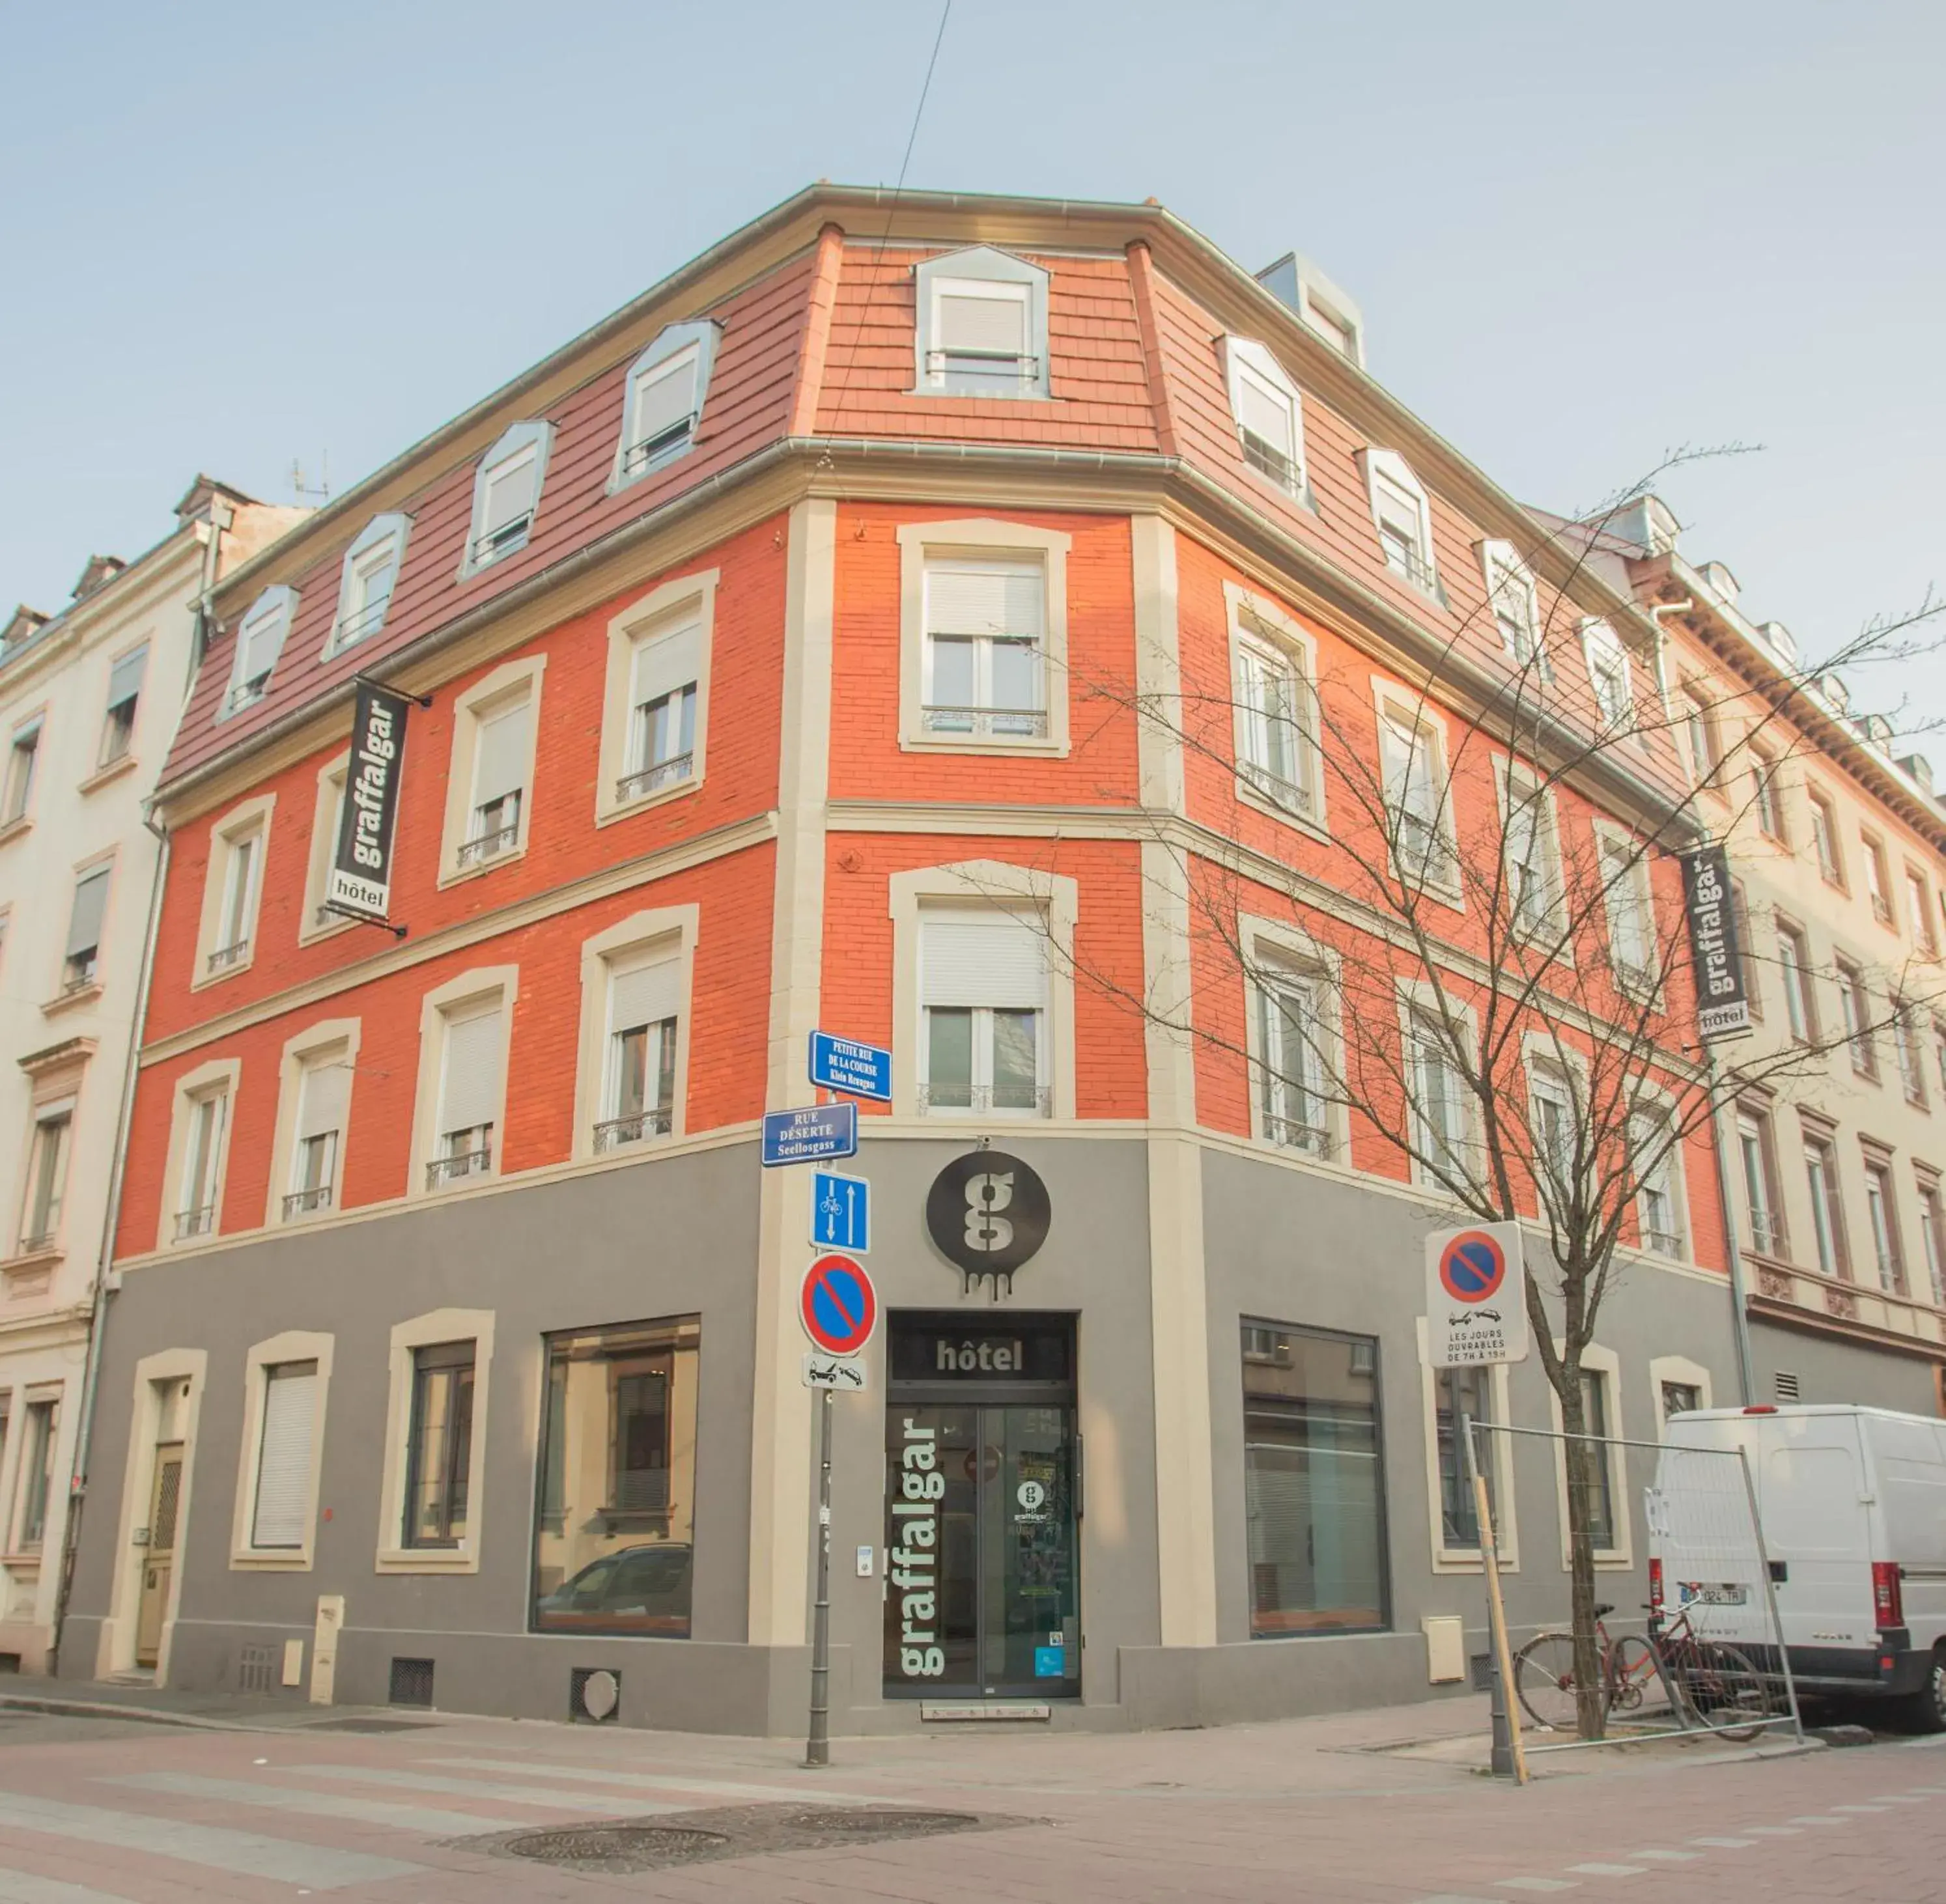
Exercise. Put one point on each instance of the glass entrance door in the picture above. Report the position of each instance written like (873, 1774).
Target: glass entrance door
(981, 1592)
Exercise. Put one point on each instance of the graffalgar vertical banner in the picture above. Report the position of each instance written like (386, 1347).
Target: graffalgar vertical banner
(361, 870)
(1722, 1005)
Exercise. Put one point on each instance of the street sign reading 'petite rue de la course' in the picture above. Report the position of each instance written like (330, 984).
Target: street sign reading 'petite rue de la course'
(858, 1070)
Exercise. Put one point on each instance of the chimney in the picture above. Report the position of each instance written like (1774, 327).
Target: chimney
(1781, 642)
(101, 569)
(1919, 768)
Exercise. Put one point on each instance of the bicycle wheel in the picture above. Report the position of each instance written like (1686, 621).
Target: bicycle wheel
(1731, 1697)
(1632, 1677)
(1544, 1676)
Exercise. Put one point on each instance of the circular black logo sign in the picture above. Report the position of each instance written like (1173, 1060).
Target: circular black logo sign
(987, 1213)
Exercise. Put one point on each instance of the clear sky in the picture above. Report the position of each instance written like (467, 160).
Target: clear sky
(1581, 235)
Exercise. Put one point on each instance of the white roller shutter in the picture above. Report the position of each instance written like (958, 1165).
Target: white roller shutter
(1266, 413)
(282, 1505)
(327, 1092)
(471, 1096)
(645, 995)
(261, 637)
(997, 959)
(995, 598)
(977, 323)
(665, 396)
(665, 662)
(125, 678)
(84, 923)
(510, 493)
(500, 759)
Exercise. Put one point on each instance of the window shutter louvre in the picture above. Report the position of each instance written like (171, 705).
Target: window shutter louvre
(472, 1093)
(665, 662)
(125, 678)
(500, 756)
(283, 1462)
(645, 995)
(972, 597)
(327, 1095)
(666, 395)
(510, 493)
(997, 959)
(1265, 413)
(996, 324)
(91, 901)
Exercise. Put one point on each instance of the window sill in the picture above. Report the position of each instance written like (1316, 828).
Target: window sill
(205, 979)
(1250, 794)
(605, 816)
(426, 1560)
(28, 1261)
(14, 828)
(1051, 746)
(102, 776)
(82, 995)
(1466, 1560)
(245, 1559)
(315, 934)
(457, 875)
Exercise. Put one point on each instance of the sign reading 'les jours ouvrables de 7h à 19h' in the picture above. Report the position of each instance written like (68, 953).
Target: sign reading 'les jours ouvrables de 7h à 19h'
(1722, 1004)
(361, 869)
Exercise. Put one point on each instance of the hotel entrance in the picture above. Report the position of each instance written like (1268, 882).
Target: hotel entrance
(982, 1597)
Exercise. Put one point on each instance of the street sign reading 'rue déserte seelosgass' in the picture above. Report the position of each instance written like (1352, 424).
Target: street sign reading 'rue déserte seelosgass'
(858, 1070)
(803, 1136)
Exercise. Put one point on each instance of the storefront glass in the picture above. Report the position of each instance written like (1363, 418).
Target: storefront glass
(613, 1535)
(1314, 1485)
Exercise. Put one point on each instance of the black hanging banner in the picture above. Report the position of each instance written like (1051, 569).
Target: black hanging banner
(361, 869)
(1722, 1005)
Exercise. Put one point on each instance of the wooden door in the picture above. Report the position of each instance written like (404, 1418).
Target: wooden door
(159, 1564)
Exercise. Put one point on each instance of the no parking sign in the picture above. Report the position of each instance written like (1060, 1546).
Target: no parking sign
(1475, 1296)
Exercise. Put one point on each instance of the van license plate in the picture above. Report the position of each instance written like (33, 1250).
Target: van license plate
(1703, 1593)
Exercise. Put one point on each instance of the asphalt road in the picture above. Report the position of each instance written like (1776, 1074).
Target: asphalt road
(94, 1810)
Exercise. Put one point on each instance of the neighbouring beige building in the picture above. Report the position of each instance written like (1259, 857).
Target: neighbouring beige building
(1838, 848)
(89, 700)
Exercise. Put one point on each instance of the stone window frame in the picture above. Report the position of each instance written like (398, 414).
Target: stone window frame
(435, 1009)
(1598, 1360)
(247, 818)
(638, 932)
(497, 690)
(427, 1330)
(627, 632)
(292, 1345)
(218, 1077)
(332, 777)
(299, 1049)
(1506, 1527)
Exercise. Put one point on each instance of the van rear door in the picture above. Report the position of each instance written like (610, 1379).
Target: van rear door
(1909, 1457)
(1811, 1489)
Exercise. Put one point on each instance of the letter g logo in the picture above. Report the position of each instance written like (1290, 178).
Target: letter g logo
(987, 1196)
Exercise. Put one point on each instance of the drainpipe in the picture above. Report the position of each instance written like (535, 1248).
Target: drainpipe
(1739, 1311)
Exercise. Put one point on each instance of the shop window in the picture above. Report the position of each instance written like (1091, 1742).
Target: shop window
(1313, 1487)
(439, 1444)
(983, 986)
(614, 1535)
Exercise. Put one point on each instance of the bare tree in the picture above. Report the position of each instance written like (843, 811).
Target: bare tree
(1480, 977)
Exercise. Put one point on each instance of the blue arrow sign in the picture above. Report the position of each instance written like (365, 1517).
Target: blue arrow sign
(841, 1212)
(858, 1070)
(803, 1136)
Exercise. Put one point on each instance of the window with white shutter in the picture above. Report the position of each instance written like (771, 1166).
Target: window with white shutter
(1268, 414)
(469, 1095)
(1414, 765)
(984, 989)
(1516, 604)
(984, 671)
(124, 694)
(242, 855)
(662, 399)
(23, 756)
(81, 962)
(982, 328)
(502, 756)
(506, 492)
(1403, 516)
(324, 1103)
(280, 1513)
(202, 1163)
(1291, 1049)
(638, 1084)
(1271, 697)
(260, 640)
(663, 675)
(370, 575)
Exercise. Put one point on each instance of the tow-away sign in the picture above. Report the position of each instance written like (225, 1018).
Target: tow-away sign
(1475, 1296)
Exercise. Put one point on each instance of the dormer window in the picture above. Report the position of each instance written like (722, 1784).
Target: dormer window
(260, 640)
(663, 400)
(982, 326)
(506, 492)
(1516, 604)
(1269, 417)
(371, 573)
(1403, 516)
(1608, 673)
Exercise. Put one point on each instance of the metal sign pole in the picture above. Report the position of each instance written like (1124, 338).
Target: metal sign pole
(817, 1745)
(1508, 1756)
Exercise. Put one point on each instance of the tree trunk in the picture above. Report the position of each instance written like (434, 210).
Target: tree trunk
(1583, 1466)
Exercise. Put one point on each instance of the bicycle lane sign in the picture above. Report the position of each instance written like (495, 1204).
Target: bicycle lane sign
(1475, 1296)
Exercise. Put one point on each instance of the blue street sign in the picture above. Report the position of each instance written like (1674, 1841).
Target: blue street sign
(803, 1136)
(841, 1212)
(858, 1070)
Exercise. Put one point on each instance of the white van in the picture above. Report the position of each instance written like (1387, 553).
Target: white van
(1853, 1501)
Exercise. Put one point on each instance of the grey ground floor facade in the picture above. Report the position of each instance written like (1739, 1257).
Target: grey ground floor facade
(1187, 1466)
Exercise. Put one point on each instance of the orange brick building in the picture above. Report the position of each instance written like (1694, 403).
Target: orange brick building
(899, 622)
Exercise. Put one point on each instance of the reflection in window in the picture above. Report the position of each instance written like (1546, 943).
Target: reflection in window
(1460, 1394)
(1600, 1506)
(613, 1538)
(1313, 1487)
(439, 1449)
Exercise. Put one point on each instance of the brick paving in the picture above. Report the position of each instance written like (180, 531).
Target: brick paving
(93, 1809)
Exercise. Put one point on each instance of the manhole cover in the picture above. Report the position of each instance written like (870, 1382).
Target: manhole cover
(617, 1847)
(865, 1821)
